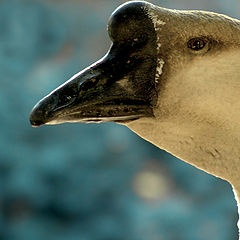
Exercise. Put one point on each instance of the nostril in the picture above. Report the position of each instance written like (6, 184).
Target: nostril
(65, 100)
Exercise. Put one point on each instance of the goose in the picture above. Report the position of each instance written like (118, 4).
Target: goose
(172, 77)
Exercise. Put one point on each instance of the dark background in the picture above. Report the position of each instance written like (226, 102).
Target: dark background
(90, 182)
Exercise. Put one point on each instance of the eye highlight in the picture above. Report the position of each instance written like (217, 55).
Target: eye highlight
(197, 44)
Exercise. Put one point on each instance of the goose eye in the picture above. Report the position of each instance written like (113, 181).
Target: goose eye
(197, 44)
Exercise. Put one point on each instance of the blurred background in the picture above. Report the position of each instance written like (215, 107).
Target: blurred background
(97, 181)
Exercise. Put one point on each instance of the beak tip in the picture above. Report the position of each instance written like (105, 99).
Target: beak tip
(36, 119)
(35, 123)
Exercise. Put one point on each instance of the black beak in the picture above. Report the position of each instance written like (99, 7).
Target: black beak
(120, 87)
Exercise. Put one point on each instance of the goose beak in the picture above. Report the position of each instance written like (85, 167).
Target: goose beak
(106, 91)
(120, 87)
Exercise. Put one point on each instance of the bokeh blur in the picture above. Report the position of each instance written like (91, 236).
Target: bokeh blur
(97, 181)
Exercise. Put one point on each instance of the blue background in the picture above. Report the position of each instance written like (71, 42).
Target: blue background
(90, 182)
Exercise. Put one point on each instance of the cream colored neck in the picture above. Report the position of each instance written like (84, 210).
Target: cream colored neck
(203, 147)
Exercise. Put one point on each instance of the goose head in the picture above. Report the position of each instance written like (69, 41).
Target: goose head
(172, 77)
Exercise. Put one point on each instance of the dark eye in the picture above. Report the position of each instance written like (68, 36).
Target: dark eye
(197, 44)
